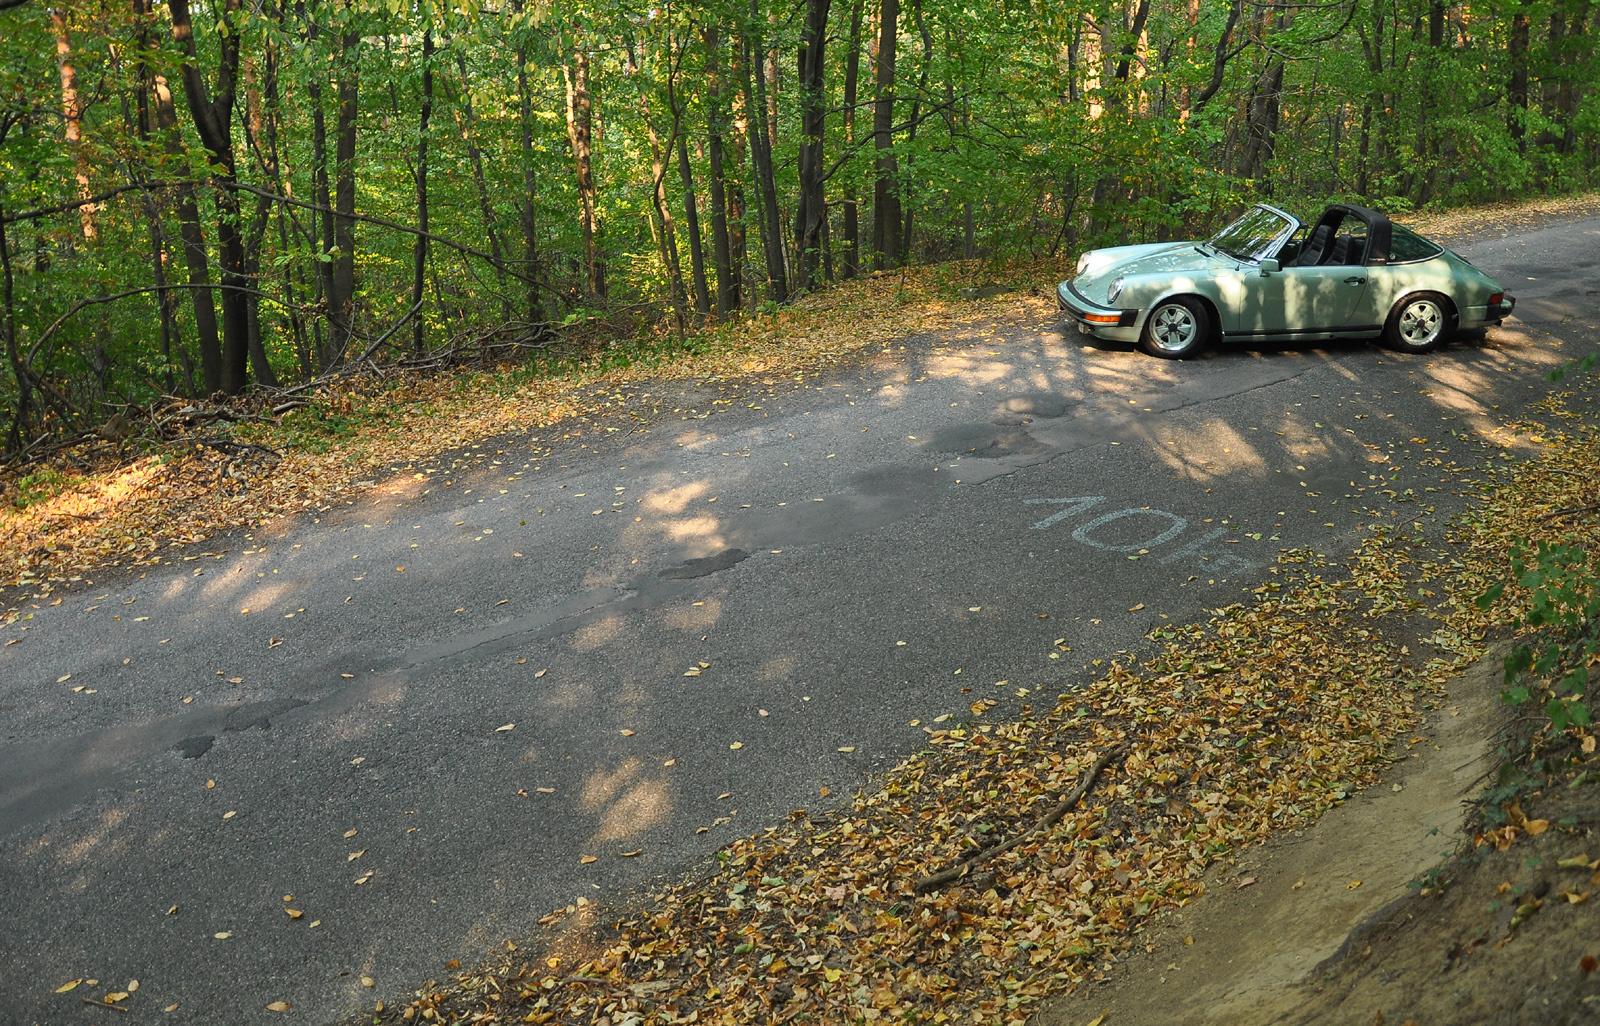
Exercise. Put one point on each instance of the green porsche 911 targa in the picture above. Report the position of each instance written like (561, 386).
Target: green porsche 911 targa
(1269, 277)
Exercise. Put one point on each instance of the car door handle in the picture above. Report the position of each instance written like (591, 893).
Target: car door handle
(1355, 281)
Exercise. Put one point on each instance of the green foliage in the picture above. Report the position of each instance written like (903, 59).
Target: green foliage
(1561, 625)
(1019, 131)
(37, 487)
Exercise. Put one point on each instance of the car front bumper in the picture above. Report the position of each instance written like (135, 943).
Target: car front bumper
(1096, 319)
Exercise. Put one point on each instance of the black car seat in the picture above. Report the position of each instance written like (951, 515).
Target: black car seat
(1315, 248)
(1340, 254)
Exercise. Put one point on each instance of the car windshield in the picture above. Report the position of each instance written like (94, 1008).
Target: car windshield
(1254, 235)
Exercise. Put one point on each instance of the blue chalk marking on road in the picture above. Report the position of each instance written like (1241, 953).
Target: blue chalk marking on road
(1202, 549)
(1078, 505)
(1175, 528)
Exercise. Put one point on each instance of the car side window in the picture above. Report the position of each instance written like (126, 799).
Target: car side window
(1406, 246)
(1290, 250)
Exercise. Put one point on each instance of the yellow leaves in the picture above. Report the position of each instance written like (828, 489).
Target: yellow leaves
(294, 913)
(363, 878)
(508, 726)
(70, 984)
(585, 860)
(279, 1006)
(735, 746)
(224, 935)
(625, 732)
(355, 855)
(1352, 885)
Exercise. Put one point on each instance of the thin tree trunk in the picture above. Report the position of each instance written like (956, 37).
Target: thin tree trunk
(761, 158)
(722, 248)
(911, 133)
(811, 210)
(419, 264)
(213, 121)
(468, 124)
(691, 220)
(530, 182)
(72, 119)
(194, 246)
(886, 188)
(668, 239)
(852, 78)
(580, 133)
(341, 298)
(1517, 90)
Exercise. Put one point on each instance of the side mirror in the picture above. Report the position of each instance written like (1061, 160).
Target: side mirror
(1269, 267)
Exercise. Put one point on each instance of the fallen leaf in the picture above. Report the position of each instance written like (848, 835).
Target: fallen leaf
(62, 680)
(367, 981)
(626, 733)
(351, 832)
(1536, 827)
(737, 745)
(585, 860)
(68, 986)
(224, 935)
(630, 854)
(133, 985)
(1352, 885)
(230, 814)
(294, 913)
(1298, 884)
(363, 878)
(279, 1006)
(115, 996)
(171, 1008)
(1246, 881)
(545, 790)
(355, 855)
(1135, 609)
(848, 749)
(235, 680)
(508, 726)
(540, 673)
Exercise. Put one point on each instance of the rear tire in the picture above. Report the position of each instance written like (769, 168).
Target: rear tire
(1420, 323)
(1176, 328)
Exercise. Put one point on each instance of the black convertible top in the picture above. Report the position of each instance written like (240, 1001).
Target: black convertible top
(1378, 228)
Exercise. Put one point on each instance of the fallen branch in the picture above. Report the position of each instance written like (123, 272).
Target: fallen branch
(961, 869)
(1569, 512)
(102, 1004)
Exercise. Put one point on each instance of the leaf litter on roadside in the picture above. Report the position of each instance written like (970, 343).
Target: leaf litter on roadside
(1257, 720)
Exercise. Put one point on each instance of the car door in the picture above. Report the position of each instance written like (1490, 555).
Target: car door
(1297, 300)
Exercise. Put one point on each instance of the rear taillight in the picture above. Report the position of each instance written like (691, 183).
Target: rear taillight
(1497, 299)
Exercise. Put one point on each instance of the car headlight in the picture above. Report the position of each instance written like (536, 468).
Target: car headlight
(1114, 291)
(1083, 265)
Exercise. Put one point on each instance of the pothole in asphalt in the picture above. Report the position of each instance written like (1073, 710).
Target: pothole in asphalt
(692, 568)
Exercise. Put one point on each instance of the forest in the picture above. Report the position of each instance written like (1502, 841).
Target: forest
(229, 196)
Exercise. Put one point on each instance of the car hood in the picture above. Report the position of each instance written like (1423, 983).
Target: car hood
(1172, 258)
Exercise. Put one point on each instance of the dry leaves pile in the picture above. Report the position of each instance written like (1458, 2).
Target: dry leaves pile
(132, 512)
(1255, 721)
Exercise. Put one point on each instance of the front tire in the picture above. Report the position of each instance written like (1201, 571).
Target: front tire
(1175, 329)
(1420, 323)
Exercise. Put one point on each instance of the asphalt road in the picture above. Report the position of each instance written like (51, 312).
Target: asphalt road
(650, 640)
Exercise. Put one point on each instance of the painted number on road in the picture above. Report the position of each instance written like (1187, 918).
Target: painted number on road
(1165, 528)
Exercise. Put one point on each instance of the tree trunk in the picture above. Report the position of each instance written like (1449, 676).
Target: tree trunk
(852, 78)
(419, 258)
(580, 133)
(886, 188)
(691, 220)
(811, 210)
(668, 240)
(467, 122)
(1517, 90)
(530, 183)
(213, 120)
(721, 243)
(761, 159)
(72, 119)
(911, 133)
(194, 246)
(341, 298)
